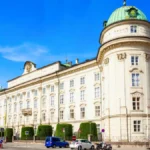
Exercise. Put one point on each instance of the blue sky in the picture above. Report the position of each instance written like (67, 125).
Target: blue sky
(45, 31)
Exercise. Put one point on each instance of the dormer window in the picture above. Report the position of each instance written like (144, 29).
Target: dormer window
(133, 29)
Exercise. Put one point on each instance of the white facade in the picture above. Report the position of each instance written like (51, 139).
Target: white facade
(112, 90)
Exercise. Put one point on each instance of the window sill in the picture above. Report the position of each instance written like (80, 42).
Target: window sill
(136, 87)
(138, 133)
(137, 111)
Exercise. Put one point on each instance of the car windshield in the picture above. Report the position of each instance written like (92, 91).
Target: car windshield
(47, 139)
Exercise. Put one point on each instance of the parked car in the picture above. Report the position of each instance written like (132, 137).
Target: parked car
(81, 144)
(55, 142)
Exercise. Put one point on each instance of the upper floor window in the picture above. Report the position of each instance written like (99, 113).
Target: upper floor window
(133, 29)
(52, 88)
(61, 114)
(82, 93)
(82, 111)
(35, 117)
(43, 117)
(134, 60)
(137, 125)
(71, 113)
(96, 76)
(82, 80)
(71, 83)
(61, 85)
(135, 79)
(35, 103)
(71, 97)
(97, 111)
(20, 105)
(43, 102)
(9, 108)
(97, 91)
(28, 104)
(52, 100)
(35, 93)
(52, 116)
(136, 103)
(28, 95)
(61, 99)
(15, 107)
(44, 90)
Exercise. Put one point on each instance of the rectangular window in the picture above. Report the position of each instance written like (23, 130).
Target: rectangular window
(20, 105)
(28, 104)
(9, 108)
(96, 76)
(35, 103)
(52, 101)
(137, 125)
(82, 109)
(43, 117)
(61, 86)
(28, 95)
(136, 103)
(61, 99)
(52, 88)
(134, 60)
(61, 114)
(71, 97)
(44, 90)
(15, 107)
(35, 93)
(97, 111)
(135, 79)
(82, 80)
(82, 93)
(35, 117)
(97, 91)
(71, 83)
(71, 113)
(133, 29)
(52, 116)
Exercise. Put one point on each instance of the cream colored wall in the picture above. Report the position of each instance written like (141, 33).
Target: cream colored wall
(35, 74)
(125, 31)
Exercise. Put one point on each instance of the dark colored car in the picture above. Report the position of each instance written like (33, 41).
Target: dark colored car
(55, 142)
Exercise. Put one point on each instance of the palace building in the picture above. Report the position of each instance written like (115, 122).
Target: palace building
(112, 90)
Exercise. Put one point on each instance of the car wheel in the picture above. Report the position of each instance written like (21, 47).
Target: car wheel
(66, 146)
(80, 148)
(54, 146)
(47, 146)
(92, 147)
(59, 146)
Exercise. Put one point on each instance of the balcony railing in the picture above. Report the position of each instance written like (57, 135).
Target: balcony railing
(27, 111)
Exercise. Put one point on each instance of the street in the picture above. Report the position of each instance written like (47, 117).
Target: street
(37, 146)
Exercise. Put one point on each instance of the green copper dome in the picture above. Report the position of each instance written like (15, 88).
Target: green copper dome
(125, 13)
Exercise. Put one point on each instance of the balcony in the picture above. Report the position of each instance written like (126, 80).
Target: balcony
(27, 111)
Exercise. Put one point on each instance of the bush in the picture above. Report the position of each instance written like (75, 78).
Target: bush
(88, 128)
(67, 135)
(2, 133)
(31, 133)
(8, 134)
(43, 131)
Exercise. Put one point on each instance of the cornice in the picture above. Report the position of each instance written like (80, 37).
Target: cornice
(50, 77)
(126, 41)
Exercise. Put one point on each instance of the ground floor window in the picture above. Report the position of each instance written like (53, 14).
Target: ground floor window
(82, 109)
(62, 114)
(137, 125)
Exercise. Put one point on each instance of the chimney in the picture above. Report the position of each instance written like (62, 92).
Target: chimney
(77, 61)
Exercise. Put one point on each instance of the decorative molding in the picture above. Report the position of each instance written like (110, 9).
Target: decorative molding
(147, 57)
(135, 69)
(106, 61)
(101, 68)
(122, 56)
(47, 86)
(39, 88)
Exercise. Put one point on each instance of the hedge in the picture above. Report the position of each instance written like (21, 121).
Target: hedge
(43, 131)
(8, 134)
(67, 135)
(88, 128)
(31, 133)
(2, 133)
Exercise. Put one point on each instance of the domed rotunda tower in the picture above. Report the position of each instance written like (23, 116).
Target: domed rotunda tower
(124, 59)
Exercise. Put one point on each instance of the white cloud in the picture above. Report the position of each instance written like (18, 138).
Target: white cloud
(36, 53)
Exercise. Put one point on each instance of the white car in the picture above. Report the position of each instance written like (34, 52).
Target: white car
(81, 144)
